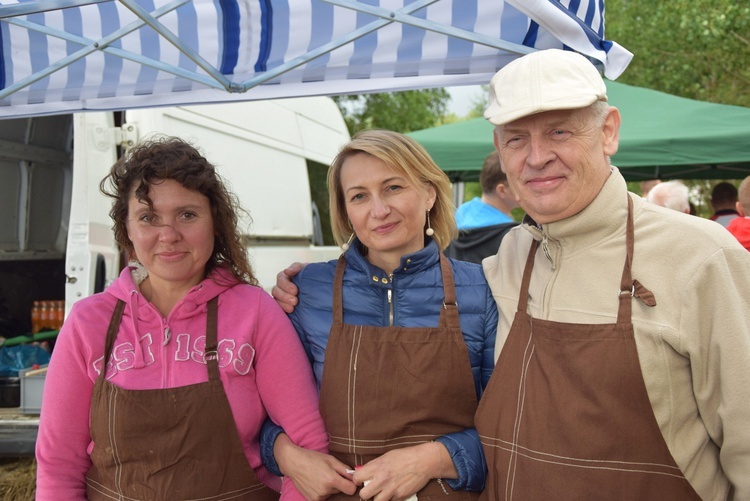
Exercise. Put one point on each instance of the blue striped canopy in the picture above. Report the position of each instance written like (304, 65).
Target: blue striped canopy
(61, 56)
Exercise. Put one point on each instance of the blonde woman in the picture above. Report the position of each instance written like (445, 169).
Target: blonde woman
(401, 338)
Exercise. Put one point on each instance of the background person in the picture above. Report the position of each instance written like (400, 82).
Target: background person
(672, 195)
(496, 202)
(724, 201)
(647, 185)
(740, 226)
(482, 222)
(401, 338)
(624, 328)
(158, 387)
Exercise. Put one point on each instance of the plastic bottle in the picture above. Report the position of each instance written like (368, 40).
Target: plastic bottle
(59, 314)
(53, 315)
(35, 312)
(44, 316)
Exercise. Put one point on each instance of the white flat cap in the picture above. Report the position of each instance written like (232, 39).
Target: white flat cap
(545, 80)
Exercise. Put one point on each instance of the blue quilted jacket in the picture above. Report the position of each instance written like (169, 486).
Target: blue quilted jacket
(417, 298)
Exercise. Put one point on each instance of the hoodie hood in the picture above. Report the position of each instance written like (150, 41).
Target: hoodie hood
(140, 312)
(475, 244)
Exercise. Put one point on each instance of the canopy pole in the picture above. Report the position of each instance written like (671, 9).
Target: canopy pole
(40, 6)
(104, 45)
(458, 188)
(329, 47)
(450, 31)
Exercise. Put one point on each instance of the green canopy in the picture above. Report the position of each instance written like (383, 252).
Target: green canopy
(662, 136)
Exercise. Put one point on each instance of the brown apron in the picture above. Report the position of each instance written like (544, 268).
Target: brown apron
(172, 444)
(566, 415)
(384, 388)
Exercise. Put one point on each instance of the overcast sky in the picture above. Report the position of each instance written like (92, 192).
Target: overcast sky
(462, 98)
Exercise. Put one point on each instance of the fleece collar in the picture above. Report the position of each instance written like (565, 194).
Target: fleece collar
(604, 218)
(410, 263)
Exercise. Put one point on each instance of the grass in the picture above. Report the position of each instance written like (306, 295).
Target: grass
(17, 479)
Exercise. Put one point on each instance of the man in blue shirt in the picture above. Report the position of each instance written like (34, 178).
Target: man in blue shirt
(483, 222)
(496, 203)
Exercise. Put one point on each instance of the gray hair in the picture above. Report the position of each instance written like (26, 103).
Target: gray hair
(672, 195)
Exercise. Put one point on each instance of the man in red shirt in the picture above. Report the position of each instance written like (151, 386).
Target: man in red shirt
(740, 226)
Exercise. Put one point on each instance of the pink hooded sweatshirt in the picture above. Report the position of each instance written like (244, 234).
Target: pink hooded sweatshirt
(263, 367)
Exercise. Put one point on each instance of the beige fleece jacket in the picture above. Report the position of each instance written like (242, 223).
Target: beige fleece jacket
(693, 346)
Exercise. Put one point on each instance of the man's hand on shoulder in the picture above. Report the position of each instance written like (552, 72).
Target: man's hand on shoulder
(285, 292)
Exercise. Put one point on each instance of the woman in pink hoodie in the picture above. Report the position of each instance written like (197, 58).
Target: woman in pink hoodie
(158, 387)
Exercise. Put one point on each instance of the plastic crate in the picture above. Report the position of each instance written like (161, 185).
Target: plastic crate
(10, 391)
(31, 390)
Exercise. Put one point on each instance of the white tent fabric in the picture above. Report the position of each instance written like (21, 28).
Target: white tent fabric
(61, 56)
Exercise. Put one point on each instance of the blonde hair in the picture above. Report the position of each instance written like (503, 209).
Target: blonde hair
(406, 156)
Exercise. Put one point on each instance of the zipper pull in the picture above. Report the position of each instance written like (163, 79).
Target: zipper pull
(167, 334)
(545, 248)
(390, 307)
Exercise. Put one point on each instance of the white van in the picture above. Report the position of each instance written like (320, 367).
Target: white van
(55, 232)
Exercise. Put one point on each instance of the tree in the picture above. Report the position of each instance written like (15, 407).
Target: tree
(404, 111)
(699, 49)
(480, 103)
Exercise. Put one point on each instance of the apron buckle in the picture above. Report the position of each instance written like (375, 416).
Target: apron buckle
(631, 291)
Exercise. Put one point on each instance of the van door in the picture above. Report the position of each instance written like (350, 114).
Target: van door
(92, 259)
(35, 173)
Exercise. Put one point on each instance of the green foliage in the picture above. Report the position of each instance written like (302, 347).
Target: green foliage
(450, 118)
(404, 111)
(318, 175)
(480, 103)
(700, 193)
(472, 189)
(698, 49)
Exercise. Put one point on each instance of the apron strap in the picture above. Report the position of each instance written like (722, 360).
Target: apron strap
(114, 326)
(338, 285)
(449, 313)
(523, 296)
(627, 286)
(211, 353)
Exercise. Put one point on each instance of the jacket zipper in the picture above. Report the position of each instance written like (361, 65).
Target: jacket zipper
(390, 301)
(167, 334)
(545, 248)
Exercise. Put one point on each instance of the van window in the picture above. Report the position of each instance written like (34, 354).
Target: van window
(317, 174)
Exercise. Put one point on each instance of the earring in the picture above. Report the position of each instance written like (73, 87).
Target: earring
(429, 231)
(345, 245)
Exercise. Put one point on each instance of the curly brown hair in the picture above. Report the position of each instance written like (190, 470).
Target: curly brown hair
(158, 159)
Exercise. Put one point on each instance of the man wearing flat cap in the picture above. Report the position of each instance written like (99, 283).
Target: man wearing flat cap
(623, 349)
